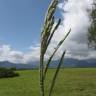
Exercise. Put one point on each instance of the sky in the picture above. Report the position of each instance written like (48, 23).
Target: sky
(20, 27)
(21, 22)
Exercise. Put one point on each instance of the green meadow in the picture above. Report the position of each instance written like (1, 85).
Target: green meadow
(70, 82)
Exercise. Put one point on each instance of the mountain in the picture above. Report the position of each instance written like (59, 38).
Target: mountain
(7, 64)
(68, 62)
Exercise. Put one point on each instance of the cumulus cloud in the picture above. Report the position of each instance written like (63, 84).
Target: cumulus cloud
(76, 16)
(8, 54)
(11, 55)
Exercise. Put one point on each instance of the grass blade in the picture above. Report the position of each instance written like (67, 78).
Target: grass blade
(56, 73)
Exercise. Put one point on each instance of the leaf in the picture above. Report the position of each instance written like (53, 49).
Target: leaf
(56, 73)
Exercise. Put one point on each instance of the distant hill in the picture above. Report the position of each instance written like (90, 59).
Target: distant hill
(7, 64)
(68, 62)
(75, 63)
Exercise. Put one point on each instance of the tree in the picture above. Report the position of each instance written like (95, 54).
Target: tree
(92, 29)
(47, 33)
(6, 73)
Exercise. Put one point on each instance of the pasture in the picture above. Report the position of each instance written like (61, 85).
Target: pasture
(70, 82)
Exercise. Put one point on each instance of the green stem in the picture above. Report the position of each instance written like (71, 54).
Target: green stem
(41, 74)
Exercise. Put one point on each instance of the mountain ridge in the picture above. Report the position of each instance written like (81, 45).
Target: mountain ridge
(68, 63)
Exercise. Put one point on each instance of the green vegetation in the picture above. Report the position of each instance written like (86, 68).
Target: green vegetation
(6, 73)
(92, 29)
(71, 82)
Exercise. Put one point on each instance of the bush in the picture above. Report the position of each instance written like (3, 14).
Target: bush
(13, 68)
(5, 73)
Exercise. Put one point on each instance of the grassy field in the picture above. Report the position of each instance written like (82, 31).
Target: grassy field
(70, 82)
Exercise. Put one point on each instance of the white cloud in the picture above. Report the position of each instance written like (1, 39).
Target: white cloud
(7, 54)
(76, 16)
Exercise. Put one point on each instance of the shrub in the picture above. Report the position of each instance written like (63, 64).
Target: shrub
(13, 68)
(5, 73)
